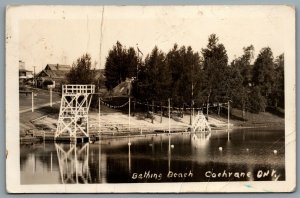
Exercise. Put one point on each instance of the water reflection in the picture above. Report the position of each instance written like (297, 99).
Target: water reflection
(200, 140)
(73, 163)
(120, 159)
(129, 156)
(169, 153)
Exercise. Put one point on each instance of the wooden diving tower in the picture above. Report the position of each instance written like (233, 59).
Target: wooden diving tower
(73, 119)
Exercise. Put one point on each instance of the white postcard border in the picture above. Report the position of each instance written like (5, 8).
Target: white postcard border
(17, 13)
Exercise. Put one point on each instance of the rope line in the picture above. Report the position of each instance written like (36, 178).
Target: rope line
(158, 106)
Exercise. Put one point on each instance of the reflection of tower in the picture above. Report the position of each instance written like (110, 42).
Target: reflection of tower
(200, 140)
(200, 145)
(74, 107)
(73, 163)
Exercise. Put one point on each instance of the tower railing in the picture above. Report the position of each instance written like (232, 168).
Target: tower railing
(78, 89)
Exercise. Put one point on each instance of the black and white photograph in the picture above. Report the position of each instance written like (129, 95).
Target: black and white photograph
(150, 99)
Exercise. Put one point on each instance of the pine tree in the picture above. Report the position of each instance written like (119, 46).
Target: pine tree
(215, 61)
(81, 72)
(158, 75)
(277, 94)
(185, 69)
(264, 74)
(263, 71)
(121, 63)
(241, 75)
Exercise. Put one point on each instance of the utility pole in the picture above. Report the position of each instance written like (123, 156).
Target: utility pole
(192, 95)
(129, 114)
(137, 66)
(152, 111)
(129, 102)
(50, 96)
(32, 101)
(34, 80)
(228, 118)
(192, 105)
(169, 106)
(99, 116)
(207, 104)
(138, 53)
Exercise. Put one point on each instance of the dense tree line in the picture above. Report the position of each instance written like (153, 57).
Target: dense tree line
(193, 79)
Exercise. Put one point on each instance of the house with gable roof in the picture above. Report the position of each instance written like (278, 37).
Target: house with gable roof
(52, 74)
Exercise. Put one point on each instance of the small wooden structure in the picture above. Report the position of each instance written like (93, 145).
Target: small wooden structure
(200, 123)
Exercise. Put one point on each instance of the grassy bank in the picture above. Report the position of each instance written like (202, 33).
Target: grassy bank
(262, 119)
(113, 121)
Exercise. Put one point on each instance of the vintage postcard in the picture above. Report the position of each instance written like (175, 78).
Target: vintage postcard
(150, 99)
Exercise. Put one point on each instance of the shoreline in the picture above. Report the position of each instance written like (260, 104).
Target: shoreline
(41, 124)
(120, 135)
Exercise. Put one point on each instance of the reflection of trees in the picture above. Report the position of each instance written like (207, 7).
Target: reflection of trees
(73, 163)
(112, 160)
(42, 153)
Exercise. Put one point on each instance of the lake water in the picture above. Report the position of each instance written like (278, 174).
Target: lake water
(249, 154)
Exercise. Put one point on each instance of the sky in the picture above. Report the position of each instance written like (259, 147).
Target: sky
(60, 35)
